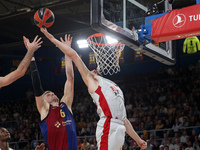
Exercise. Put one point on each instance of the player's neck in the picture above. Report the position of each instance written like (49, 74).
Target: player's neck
(4, 145)
(55, 104)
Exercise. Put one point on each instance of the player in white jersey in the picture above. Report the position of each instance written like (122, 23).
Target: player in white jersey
(108, 92)
(109, 99)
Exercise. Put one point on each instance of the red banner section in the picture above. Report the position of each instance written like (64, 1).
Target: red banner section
(177, 24)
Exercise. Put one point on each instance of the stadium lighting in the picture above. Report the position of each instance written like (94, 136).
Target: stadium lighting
(82, 43)
(111, 40)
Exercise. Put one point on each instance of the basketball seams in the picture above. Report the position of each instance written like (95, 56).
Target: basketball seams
(41, 13)
(44, 18)
(48, 18)
(46, 15)
(36, 17)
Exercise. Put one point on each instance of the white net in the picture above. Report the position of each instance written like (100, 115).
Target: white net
(106, 54)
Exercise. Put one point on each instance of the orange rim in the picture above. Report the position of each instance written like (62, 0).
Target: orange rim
(102, 44)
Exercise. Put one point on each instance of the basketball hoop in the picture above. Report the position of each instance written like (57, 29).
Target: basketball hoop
(106, 54)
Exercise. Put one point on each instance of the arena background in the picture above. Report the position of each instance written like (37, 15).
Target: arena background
(71, 17)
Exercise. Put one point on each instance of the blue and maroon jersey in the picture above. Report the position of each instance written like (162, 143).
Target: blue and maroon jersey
(59, 129)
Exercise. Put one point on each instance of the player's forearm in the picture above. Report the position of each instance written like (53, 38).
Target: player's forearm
(24, 64)
(130, 131)
(69, 68)
(67, 50)
(10, 78)
(38, 90)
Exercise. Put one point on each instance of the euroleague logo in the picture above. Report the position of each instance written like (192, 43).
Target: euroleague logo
(179, 20)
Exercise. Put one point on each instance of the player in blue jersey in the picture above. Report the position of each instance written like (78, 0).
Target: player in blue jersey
(57, 124)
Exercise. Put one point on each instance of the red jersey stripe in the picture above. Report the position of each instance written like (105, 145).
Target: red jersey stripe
(103, 103)
(104, 137)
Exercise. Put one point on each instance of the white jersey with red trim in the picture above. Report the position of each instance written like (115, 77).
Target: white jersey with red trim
(109, 100)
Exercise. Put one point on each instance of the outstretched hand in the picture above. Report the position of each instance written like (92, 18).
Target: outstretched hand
(47, 34)
(142, 144)
(34, 45)
(40, 147)
(67, 41)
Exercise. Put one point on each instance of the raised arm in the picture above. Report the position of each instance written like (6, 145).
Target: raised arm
(24, 64)
(88, 77)
(131, 132)
(69, 84)
(42, 105)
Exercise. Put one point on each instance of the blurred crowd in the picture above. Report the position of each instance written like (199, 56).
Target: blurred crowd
(163, 108)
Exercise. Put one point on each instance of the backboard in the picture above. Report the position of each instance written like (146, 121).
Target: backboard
(118, 18)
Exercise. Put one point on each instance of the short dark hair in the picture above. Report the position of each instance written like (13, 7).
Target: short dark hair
(48, 91)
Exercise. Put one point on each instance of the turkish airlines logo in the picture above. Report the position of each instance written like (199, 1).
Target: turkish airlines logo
(179, 20)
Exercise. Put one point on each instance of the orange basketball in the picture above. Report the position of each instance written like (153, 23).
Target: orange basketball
(44, 17)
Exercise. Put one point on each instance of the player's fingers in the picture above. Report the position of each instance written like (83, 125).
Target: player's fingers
(144, 146)
(40, 43)
(61, 39)
(65, 37)
(25, 42)
(71, 39)
(68, 37)
(24, 38)
(38, 40)
(38, 147)
(35, 38)
(42, 29)
(45, 29)
(42, 146)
